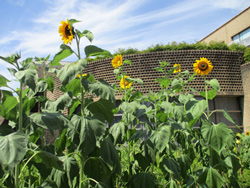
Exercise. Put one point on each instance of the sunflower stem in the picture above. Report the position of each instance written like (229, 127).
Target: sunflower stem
(208, 113)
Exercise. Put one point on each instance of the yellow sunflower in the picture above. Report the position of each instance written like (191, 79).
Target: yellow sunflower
(203, 66)
(65, 30)
(82, 75)
(178, 69)
(125, 84)
(117, 61)
(247, 133)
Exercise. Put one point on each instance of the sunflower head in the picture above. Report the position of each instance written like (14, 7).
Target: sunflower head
(117, 61)
(66, 31)
(247, 133)
(177, 69)
(82, 75)
(203, 66)
(124, 83)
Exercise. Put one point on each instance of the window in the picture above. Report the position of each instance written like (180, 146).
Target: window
(242, 37)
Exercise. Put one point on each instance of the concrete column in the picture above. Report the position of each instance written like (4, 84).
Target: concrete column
(245, 73)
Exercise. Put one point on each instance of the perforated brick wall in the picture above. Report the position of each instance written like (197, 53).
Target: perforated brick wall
(226, 69)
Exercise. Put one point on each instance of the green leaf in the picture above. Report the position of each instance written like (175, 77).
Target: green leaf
(230, 118)
(72, 21)
(65, 51)
(50, 120)
(92, 50)
(216, 135)
(160, 137)
(41, 86)
(170, 166)
(127, 62)
(3, 81)
(13, 148)
(164, 82)
(102, 107)
(138, 80)
(69, 71)
(194, 110)
(87, 131)
(50, 83)
(98, 170)
(12, 71)
(11, 59)
(214, 179)
(74, 86)
(109, 154)
(118, 131)
(28, 104)
(60, 104)
(142, 180)
(210, 94)
(28, 76)
(9, 103)
(142, 160)
(102, 89)
(214, 84)
(50, 160)
(86, 33)
(75, 104)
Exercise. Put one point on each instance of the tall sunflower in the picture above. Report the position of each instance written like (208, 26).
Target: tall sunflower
(66, 31)
(117, 61)
(125, 84)
(178, 69)
(247, 133)
(203, 66)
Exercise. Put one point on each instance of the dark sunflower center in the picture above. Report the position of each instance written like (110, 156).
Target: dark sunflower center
(203, 66)
(67, 31)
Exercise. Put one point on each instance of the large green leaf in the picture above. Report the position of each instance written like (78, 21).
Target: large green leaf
(71, 171)
(118, 131)
(102, 89)
(50, 120)
(69, 71)
(28, 76)
(28, 104)
(142, 180)
(87, 131)
(50, 83)
(109, 154)
(50, 160)
(11, 59)
(65, 51)
(86, 33)
(194, 110)
(214, 84)
(3, 81)
(92, 50)
(74, 86)
(216, 135)
(210, 94)
(160, 137)
(60, 104)
(170, 166)
(102, 107)
(214, 179)
(13, 148)
(98, 170)
(41, 86)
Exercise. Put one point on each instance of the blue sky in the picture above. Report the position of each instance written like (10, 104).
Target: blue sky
(31, 26)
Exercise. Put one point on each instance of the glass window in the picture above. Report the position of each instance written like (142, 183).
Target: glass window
(236, 38)
(242, 36)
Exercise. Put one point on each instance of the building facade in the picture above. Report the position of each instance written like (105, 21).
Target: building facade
(236, 30)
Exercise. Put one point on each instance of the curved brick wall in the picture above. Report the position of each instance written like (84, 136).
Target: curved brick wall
(226, 69)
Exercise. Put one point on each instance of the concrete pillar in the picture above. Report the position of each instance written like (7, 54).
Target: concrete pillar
(245, 73)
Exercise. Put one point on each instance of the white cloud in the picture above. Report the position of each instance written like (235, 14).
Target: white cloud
(17, 2)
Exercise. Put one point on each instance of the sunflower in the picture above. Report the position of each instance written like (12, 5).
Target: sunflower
(247, 133)
(203, 66)
(125, 84)
(66, 31)
(82, 75)
(117, 61)
(178, 69)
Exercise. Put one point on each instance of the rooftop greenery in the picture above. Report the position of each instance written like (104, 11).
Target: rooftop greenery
(214, 45)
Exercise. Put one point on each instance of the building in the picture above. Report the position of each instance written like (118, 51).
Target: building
(236, 30)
